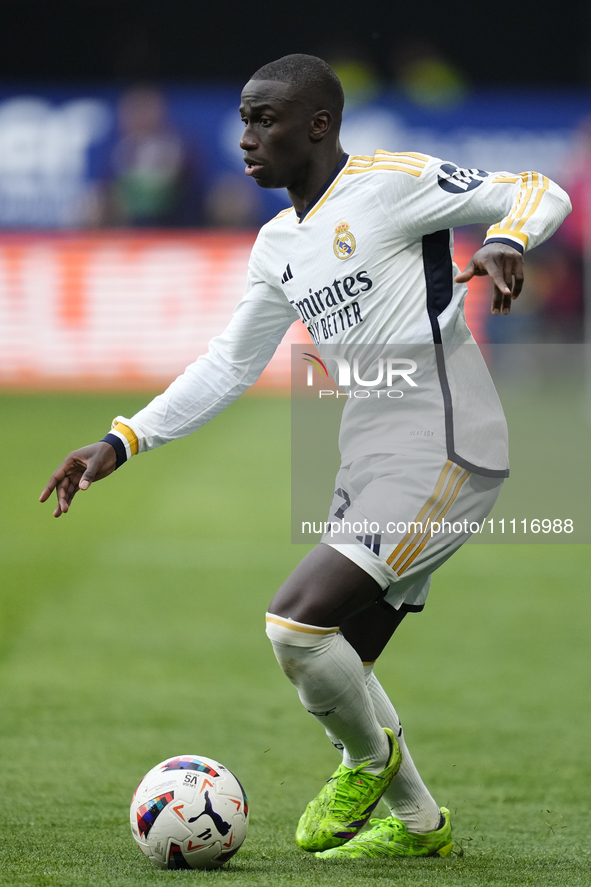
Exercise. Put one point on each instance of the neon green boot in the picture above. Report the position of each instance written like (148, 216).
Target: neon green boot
(389, 837)
(345, 803)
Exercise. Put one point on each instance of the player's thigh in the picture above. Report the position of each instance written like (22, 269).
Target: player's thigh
(325, 589)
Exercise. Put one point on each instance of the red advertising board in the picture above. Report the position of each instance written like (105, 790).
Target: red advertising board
(128, 310)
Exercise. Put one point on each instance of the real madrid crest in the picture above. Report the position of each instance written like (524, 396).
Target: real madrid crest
(344, 242)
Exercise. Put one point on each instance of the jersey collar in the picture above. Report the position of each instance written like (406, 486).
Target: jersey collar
(301, 216)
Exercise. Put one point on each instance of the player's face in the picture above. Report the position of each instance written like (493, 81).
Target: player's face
(276, 139)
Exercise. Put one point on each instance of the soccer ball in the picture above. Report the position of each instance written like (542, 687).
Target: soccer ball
(189, 812)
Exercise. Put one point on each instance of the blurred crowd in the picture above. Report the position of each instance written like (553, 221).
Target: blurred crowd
(153, 176)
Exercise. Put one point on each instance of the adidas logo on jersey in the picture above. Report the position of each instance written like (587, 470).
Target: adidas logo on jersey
(287, 275)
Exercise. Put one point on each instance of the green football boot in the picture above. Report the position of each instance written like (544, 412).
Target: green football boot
(345, 803)
(389, 837)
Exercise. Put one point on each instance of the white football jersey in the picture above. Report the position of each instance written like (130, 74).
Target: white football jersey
(370, 263)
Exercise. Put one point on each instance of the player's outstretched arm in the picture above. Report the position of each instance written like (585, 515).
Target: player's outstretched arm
(504, 265)
(78, 470)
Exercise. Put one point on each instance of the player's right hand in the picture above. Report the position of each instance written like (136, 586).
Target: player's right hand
(78, 470)
(504, 264)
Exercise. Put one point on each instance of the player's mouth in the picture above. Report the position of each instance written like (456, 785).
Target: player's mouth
(252, 167)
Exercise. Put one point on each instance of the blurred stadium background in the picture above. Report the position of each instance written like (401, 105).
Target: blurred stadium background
(125, 215)
(125, 226)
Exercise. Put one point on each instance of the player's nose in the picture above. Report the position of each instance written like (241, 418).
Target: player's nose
(248, 141)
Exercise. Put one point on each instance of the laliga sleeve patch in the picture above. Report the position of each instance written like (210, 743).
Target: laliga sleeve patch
(456, 180)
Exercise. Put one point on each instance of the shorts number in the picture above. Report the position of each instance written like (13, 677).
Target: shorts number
(340, 512)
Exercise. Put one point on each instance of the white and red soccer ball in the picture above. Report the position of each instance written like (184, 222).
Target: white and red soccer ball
(189, 812)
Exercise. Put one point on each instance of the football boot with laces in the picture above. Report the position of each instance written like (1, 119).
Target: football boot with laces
(345, 803)
(390, 837)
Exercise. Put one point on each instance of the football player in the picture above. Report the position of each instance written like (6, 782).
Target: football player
(364, 256)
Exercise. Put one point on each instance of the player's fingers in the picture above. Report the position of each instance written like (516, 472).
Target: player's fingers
(68, 469)
(517, 278)
(467, 274)
(66, 491)
(52, 483)
(497, 300)
(47, 491)
(86, 480)
(501, 293)
(59, 510)
(91, 469)
(55, 479)
(64, 497)
(506, 288)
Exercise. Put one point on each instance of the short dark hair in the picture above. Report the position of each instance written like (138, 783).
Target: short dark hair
(309, 73)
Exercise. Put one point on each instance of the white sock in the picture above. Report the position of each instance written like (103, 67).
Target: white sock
(407, 796)
(330, 681)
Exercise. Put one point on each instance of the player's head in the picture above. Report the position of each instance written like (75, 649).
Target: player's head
(292, 109)
(312, 79)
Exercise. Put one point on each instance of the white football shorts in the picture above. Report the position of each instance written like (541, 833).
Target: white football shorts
(399, 518)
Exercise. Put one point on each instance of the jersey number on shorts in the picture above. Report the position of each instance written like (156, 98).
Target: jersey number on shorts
(340, 512)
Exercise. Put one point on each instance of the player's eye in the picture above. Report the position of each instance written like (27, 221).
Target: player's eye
(266, 121)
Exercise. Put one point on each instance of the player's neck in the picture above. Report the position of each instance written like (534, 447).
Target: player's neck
(304, 192)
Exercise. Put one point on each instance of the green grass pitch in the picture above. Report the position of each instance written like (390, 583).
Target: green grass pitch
(132, 630)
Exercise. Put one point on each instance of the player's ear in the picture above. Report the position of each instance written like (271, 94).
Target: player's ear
(319, 125)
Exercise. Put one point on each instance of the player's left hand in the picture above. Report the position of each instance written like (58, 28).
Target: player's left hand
(505, 265)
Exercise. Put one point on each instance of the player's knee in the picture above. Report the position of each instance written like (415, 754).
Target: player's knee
(296, 645)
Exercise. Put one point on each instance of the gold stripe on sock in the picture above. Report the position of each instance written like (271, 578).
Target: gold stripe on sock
(305, 629)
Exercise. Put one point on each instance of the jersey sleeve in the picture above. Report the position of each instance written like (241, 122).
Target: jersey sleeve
(523, 210)
(233, 363)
